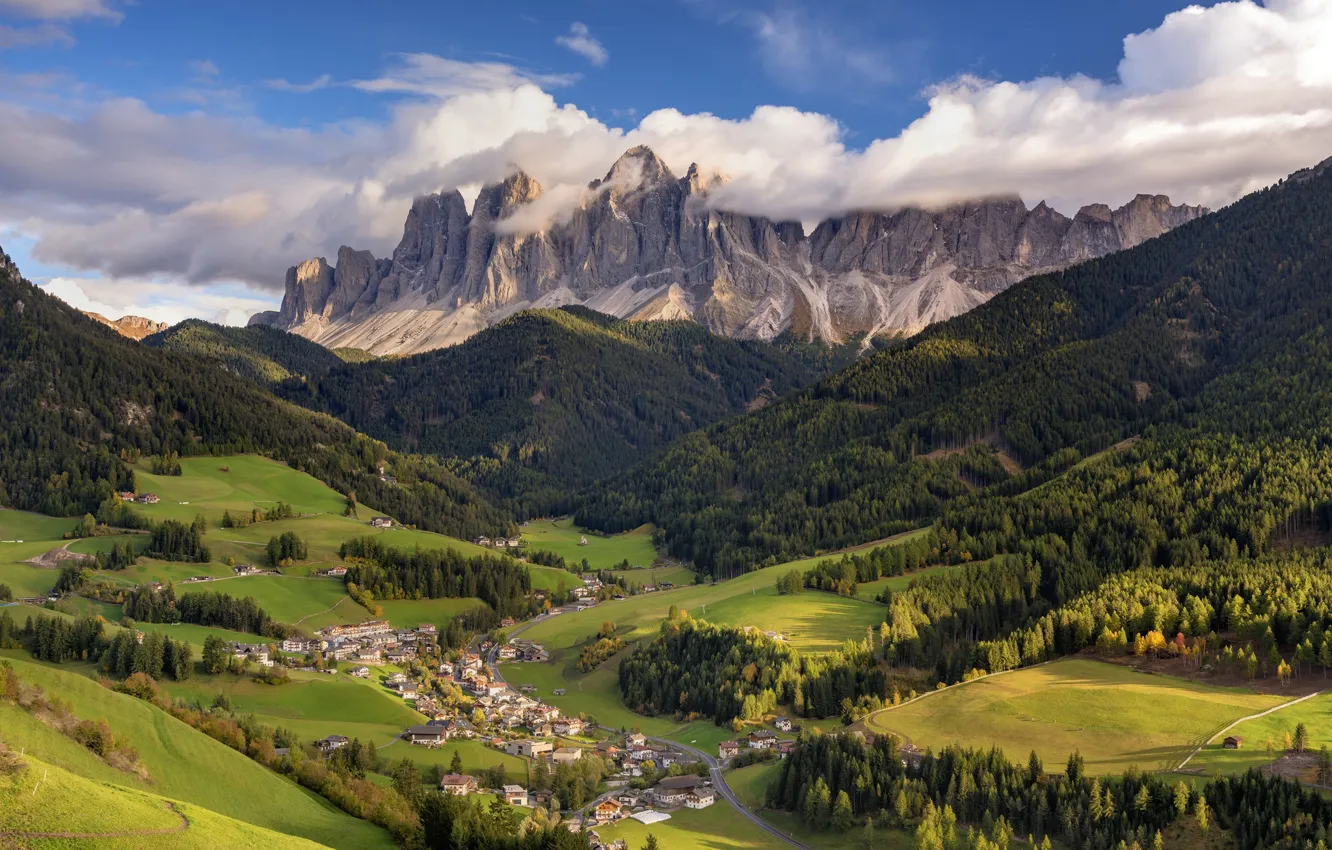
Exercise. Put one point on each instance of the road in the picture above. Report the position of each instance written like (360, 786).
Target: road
(1245, 719)
(718, 778)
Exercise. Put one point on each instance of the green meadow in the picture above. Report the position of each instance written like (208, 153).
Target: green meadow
(23, 536)
(601, 552)
(1315, 714)
(410, 613)
(718, 827)
(183, 764)
(1115, 716)
(475, 756)
(313, 705)
(118, 817)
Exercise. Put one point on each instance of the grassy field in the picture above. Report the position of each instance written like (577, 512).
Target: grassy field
(184, 764)
(50, 799)
(26, 527)
(811, 620)
(413, 612)
(717, 827)
(1315, 714)
(750, 784)
(312, 705)
(871, 589)
(288, 599)
(476, 756)
(656, 575)
(601, 552)
(38, 534)
(1113, 715)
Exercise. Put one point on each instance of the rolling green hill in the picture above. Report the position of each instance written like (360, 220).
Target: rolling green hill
(183, 764)
(50, 806)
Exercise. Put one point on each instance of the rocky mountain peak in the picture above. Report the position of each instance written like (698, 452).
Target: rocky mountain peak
(644, 245)
(134, 327)
(637, 168)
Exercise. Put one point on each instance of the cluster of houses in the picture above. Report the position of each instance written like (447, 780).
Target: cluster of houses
(252, 570)
(522, 650)
(762, 739)
(499, 542)
(143, 498)
(373, 642)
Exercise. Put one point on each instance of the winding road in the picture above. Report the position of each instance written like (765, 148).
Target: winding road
(718, 777)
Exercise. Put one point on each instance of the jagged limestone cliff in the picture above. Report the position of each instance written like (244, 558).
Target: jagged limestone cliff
(645, 244)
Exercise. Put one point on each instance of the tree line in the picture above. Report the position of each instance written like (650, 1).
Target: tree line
(693, 668)
(387, 573)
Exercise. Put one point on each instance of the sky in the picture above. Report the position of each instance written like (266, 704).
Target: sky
(171, 159)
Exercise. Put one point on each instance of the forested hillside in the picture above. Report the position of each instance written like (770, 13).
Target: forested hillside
(550, 400)
(81, 400)
(1210, 342)
(262, 354)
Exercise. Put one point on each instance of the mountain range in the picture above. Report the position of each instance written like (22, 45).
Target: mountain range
(644, 244)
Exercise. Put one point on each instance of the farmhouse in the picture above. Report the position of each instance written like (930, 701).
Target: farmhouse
(459, 785)
(149, 499)
(569, 726)
(515, 795)
(784, 724)
(381, 522)
(508, 652)
(361, 672)
(426, 736)
(728, 749)
(335, 571)
(1233, 742)
(125, 496)
(256, 652)
(762, 740)
(673, 790)
(331, 743)
(606, 811)
(700, 799)
(530, 748)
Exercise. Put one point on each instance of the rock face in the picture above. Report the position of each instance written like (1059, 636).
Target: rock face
(134, 327)
(644, 244)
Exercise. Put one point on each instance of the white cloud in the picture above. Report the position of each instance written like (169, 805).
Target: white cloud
(806, 54)
(60, 9)
(205, 70)
(581, 41)
(323, 81)
(159, 301)
(41, 35)
(435, 76)
(135, 194)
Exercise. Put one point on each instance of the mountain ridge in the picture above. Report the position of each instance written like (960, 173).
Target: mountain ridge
(644, 244)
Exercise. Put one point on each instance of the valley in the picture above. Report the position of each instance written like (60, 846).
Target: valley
(250, 586)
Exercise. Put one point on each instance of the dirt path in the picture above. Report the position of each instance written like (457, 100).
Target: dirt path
(1271, 710)
(128, 833)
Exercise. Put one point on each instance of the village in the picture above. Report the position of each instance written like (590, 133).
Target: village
(465, 699)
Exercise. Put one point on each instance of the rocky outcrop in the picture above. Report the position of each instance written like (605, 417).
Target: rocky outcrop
(134, 327)
(645, 244)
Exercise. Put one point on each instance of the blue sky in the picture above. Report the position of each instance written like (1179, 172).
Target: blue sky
(176, 156)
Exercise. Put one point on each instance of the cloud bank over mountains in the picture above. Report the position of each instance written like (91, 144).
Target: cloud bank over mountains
(1210, 104)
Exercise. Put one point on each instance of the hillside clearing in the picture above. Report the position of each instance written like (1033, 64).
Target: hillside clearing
(1113, 715)
(601, 552)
